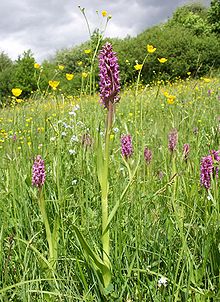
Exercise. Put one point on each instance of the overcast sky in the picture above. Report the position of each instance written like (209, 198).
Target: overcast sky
(45, 26)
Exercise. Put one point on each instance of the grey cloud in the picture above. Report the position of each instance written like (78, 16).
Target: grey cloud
(47, 26)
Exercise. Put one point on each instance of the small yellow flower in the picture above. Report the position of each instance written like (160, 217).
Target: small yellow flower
(188, 73)
(162, 60)
(206, 80)
(84, 74)
(36, 65)
(170, 100)
(104, 13)
(79, 63)
(138, 66)
(19, 100)
(16, 91)
(87, 51)
(166, 94)
(69, 76)
(61, 67)
(54, 84)
(150, 48)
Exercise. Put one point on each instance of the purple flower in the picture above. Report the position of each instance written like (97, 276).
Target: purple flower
(126, 146)
(216, 159)
(109, 76)
(38, 172)
(209, 168)
(172, 140)
(186, 149)
(14, 137)
(148, 155)
(216, 155)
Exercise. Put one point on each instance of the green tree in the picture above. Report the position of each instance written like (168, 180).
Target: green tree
(24, 73)
(193, 16)
(6, 75)
(5, 61)
(214, 16)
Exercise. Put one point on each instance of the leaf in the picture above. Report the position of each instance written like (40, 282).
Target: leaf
(55, 236)
(96, 259)
(114, 210)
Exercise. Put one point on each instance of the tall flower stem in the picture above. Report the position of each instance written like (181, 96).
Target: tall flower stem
(104, 196)
(42, 206)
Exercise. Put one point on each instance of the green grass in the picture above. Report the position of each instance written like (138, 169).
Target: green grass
(165, 226)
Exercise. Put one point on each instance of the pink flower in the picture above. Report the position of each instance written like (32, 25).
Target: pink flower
(38, 172)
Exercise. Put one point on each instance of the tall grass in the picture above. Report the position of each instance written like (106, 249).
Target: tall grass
(166, 225)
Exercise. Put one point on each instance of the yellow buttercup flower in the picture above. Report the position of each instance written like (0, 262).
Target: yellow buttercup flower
(138, 66)
(162, 60)
(36, 65)
(16, 91)
(69, 76)
(19, 100)
(87, 51)
(104, 13)
(54, 84)
(84, 74)
(206, 80)
(166, 94)
(150, 48)
(61, 67)
(170, 99)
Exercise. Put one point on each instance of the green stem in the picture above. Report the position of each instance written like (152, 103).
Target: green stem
(42, 207)
(105, 186)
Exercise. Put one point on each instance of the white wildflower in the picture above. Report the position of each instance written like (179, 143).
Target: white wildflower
(162, 281)
(74, 182)
(74, 138)
(74, 109)
(116, 130)
(72, 152)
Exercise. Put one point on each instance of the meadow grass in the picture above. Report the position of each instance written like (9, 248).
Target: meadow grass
(166, 226)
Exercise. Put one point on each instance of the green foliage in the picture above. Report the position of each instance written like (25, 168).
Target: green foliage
(214, 16)
(192, 17)
(5, 62)
(184, 50)
(166, 225)
(6, 72)
(188, 40)
(24, 73)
